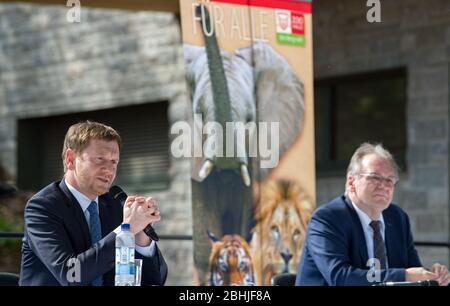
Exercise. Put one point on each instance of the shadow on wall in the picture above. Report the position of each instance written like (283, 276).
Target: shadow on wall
(12, 204)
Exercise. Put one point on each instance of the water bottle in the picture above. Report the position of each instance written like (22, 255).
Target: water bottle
(124, 257)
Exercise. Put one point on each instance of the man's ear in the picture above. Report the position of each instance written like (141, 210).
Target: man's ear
(69, 159)
(351, 183)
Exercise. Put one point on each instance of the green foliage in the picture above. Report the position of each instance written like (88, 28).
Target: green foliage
(9, 226)
(11, 220)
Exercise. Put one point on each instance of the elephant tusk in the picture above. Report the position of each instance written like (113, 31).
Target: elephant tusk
(245, 175)
(206, 169)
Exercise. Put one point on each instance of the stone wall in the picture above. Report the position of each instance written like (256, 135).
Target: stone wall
(413, 34)
(111, 58)
(116, 58)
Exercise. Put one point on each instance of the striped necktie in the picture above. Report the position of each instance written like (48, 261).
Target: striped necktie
(96, 233)
(379, 248)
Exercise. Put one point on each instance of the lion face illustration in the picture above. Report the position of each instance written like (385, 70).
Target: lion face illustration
(282, 215)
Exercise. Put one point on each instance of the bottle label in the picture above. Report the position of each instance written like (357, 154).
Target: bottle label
(124, 260)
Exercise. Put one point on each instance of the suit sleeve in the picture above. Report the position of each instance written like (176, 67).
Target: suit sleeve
(329, 246)
(413, 257)
(154, 269)
(50, 242)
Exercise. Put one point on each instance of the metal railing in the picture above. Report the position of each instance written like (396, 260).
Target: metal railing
(432, 244)
(6, 235)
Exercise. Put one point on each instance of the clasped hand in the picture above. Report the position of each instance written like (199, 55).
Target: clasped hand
(139, 212)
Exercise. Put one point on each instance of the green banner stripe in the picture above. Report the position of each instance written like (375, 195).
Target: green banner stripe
(291, 39)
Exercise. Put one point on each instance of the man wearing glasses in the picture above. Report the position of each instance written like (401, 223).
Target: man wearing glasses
(361, 238)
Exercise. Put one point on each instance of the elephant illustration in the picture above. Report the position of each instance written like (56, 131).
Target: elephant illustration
(250, 85)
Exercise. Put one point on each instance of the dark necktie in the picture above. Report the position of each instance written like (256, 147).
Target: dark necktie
(96, 233)
(379, 248)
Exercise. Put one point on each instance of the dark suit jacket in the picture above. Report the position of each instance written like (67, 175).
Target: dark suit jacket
(56, 233)
(335, 251)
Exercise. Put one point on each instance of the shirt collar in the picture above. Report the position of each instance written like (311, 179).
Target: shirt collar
(364, 218)
(83, 200)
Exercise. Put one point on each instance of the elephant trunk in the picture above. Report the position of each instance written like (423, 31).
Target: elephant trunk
(221, 96)
(219, 82)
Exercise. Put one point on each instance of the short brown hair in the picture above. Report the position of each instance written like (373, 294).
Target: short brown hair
(79, 135)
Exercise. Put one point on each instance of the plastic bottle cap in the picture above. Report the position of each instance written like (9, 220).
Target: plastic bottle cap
(125, 227)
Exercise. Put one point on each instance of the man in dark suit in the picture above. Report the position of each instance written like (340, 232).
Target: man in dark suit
(361, 238)
(71, 225)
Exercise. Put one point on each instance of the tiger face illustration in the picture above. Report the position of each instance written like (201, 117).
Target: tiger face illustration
(230, 262)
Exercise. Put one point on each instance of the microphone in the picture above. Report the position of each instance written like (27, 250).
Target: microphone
(425, 283)
(118, 194)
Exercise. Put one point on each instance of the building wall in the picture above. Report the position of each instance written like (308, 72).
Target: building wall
(413, 34)
(115, 58)
(112, 58)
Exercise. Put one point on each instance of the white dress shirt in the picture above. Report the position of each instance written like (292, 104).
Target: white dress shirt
(84, 202)
(368, 230)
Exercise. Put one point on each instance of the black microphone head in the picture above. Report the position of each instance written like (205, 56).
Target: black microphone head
(428, 282)
(118, 194)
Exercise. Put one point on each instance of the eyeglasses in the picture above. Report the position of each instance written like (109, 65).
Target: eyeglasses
(378, 179)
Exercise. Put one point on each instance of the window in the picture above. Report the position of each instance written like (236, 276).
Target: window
(353, 109)
(144, 159)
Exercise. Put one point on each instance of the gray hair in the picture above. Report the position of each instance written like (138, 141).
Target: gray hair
(365, 149)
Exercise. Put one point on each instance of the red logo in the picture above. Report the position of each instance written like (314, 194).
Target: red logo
(298, 23)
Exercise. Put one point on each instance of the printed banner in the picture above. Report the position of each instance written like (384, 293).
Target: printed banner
(250, 74)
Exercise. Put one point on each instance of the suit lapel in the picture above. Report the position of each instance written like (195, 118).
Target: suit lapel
(105, 216)
(389, 239)
(360, 242)
(76, 211)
